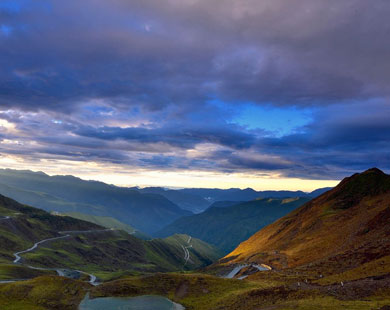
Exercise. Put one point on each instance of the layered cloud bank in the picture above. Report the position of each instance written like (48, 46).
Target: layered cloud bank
(273, 89)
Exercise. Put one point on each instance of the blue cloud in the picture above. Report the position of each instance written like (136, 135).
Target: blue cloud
(11, 6)
(5, 30)
(146, 83)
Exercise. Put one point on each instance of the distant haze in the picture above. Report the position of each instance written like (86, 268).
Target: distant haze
(129, 178)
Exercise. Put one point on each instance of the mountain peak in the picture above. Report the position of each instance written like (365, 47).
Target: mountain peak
(353, 189)
(373, 170)
(370, 177)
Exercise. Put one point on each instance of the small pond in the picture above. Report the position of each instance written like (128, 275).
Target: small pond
(130, 303)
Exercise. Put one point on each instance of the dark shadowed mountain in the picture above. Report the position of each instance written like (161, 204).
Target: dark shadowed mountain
(345, 231)
(199, 199)
(224, 204)
(319, 192)
(146, 212)
(250, 194)
(186, 201)
(227, 226)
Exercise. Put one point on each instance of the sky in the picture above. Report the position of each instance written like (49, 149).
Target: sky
(268, 94)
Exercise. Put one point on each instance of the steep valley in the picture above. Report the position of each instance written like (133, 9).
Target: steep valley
(227, 224)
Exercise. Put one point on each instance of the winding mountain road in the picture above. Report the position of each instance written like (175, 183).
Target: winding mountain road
(186, 251)
(235, 271)
(60, 272)
(17, 254)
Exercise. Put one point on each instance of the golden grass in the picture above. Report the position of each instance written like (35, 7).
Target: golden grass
(9, 272)
(203, 292)
(272, 290)
(376, 267)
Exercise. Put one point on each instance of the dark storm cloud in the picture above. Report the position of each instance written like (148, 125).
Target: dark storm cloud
(61, 53)
(344, 127)
(240, 162)
(340, 140)
(177, 136)
(131, 82)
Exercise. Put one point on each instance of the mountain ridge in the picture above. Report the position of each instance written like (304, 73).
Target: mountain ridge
(146, 212)
(199, 199)
(337, 232)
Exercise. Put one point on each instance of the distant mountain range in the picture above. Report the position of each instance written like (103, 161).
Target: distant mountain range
(226, 224)
(146, 212)
(344, 233)
(197, 200)
(186, 201)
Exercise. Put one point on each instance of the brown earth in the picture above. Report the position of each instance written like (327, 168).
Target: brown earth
(341, 230)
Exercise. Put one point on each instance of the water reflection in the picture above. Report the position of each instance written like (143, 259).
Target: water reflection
(133, 303)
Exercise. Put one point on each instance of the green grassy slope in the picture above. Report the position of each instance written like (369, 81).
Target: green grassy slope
(11, 271)
(28, 225)
(199, 292)
(273, 292)
(109, 222)
(227, 227)
(43, 293)
(104, 253)
(116, 253)
(201, 253)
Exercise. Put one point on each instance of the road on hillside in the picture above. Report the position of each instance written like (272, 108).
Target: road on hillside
(238, 268)
(186, 251)
(60, 272)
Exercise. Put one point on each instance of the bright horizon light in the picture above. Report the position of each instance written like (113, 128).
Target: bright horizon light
(128, 177)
